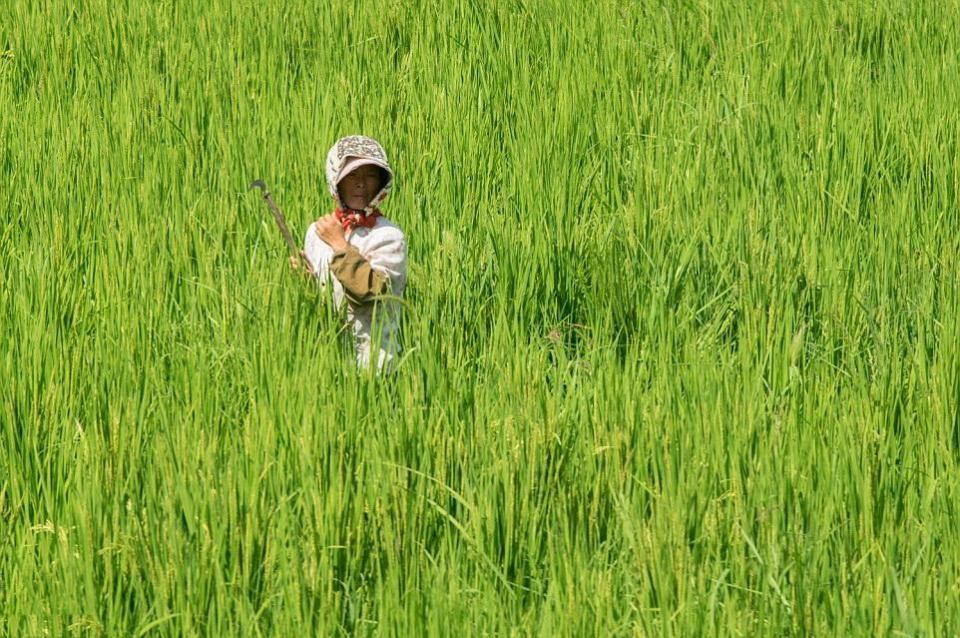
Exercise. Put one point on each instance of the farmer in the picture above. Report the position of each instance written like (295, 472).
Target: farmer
(360, 251)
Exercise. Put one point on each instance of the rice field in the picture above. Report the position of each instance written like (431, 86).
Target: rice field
(681, 357)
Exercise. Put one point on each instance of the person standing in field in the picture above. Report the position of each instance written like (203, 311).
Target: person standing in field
(361, 252)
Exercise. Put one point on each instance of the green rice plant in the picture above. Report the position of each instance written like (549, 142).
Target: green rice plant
(680, 351)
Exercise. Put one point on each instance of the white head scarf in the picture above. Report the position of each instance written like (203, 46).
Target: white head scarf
(350, 153)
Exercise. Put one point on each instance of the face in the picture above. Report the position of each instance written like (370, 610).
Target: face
(358, 187)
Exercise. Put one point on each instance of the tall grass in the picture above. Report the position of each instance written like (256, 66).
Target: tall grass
(681, 340)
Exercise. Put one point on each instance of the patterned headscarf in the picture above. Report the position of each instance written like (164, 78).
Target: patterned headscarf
(346, 150)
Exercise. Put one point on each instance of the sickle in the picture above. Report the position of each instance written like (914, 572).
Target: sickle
(281, 222)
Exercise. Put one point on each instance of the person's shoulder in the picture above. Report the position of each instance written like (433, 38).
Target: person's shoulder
(310, 238)
(385, 229)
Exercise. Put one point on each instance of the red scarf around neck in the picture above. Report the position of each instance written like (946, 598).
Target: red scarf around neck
(350, 218)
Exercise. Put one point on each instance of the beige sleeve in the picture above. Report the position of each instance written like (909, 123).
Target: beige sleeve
(360, 281)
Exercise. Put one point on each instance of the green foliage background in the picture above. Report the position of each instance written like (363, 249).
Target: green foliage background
(681, 336)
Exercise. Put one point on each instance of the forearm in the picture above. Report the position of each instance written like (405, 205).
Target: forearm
(361, 282)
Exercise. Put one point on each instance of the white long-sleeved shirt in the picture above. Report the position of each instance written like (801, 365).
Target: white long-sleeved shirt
(375, 323)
